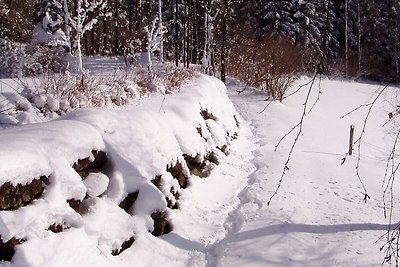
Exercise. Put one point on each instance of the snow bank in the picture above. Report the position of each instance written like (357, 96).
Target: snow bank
(152, 149)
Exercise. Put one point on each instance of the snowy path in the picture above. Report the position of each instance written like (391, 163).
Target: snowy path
(213, 205)
(318, 218)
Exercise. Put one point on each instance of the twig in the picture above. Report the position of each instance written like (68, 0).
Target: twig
(266, 106)
(359, 139)
(298, 126)
(298, 89)
(318, 97)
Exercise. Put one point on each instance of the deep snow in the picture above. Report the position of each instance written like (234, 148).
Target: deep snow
(318, 218)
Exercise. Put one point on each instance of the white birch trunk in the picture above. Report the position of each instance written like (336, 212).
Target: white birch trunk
(66, 21)
(148, 53)
(160, 26)
(207, 53)
(78, 37)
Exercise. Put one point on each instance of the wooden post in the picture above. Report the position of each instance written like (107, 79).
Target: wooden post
(351, 140)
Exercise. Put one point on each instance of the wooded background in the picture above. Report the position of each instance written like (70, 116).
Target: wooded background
(249, 39)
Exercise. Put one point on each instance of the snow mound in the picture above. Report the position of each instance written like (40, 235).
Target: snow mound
(108, 177)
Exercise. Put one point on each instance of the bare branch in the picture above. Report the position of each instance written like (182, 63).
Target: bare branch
(299, 127)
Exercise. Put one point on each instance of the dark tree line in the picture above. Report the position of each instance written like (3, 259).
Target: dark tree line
(356, 38)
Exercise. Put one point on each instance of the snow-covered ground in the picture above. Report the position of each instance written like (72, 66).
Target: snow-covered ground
(318, 217)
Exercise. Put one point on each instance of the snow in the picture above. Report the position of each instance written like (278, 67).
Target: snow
(141, 141)
(318, 217)
(96, 184)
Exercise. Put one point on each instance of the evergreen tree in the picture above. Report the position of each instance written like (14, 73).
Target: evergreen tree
(3, 20)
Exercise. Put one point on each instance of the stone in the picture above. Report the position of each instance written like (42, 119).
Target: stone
(86, 166)
(161, 223)
(14, 197)
(177, 172)
(194, 164)
(128, 201)
(236, 121)
(7, 249)
(96, 184)
(127, 244)
(157, 181)
(207, 115)
(57, 228)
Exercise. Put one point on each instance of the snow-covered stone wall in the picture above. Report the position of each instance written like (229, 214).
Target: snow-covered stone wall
(84, 187)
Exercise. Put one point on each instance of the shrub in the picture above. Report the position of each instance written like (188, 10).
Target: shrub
(18, 60)
(270, 65)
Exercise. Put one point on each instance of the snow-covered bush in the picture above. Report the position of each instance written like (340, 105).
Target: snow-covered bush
(18, 60)
(175, 77)
(45, 58)
(54, 94)
(165, 78)
(63, 92)
(49, 95)
(11, 58)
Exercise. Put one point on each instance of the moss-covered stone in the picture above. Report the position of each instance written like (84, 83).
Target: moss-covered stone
(57, 228)
(86, 165)
(177, 172)
(207, 115)
(157, 181)
(127, 244)
(7, 249)
(201, 168)
(161, 223)
(224, 149)
(14, 197)
(128, 201)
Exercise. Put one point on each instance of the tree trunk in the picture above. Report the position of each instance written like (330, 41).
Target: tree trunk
(223, 43)
(105, 36)
(160, 26)
(130, 17)
(67, 28)
(116, 28)
(346, 38)
(176, 34)
(78, 38)
(359, 37)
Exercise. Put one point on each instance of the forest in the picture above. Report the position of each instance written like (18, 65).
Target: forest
(264, 43)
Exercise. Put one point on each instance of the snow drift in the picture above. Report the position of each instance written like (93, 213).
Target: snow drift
(86, 186)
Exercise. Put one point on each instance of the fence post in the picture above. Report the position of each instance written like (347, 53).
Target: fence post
(351, 140)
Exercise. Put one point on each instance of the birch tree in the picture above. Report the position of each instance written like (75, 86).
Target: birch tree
(161, 27)
(210, 14)
(81, 23)
(154, 33)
